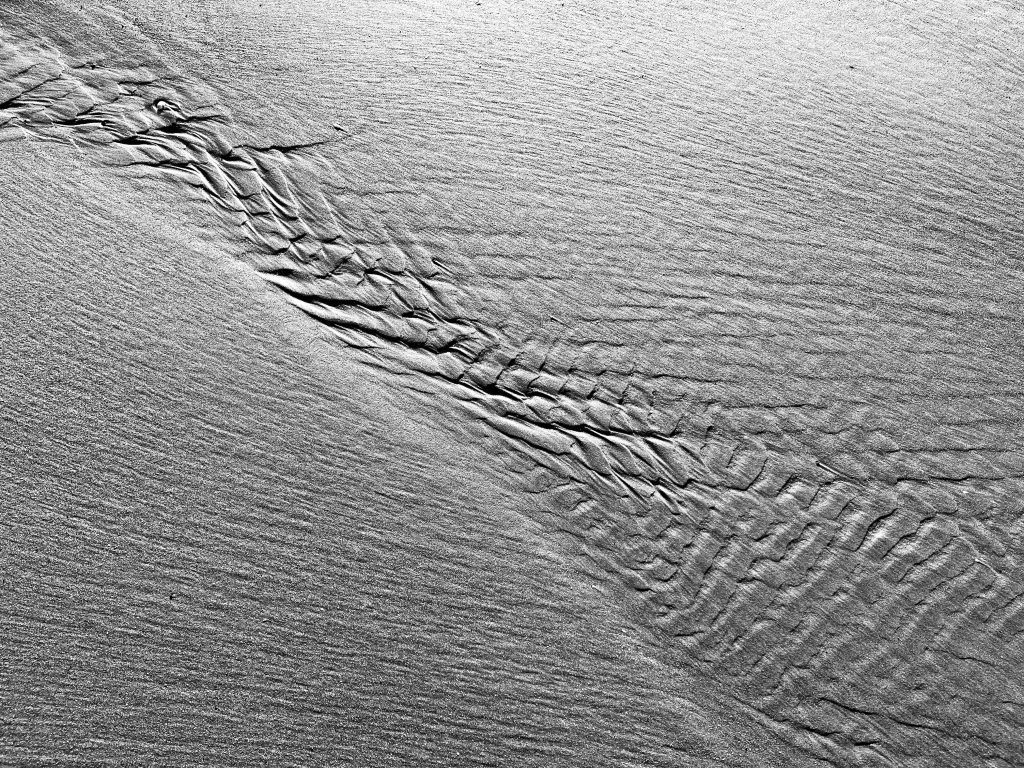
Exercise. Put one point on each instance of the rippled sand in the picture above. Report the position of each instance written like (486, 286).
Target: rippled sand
(512, 384)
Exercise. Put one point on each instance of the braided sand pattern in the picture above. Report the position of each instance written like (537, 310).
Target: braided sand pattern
(871, 616)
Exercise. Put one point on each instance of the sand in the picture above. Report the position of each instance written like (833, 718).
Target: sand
(511, 384)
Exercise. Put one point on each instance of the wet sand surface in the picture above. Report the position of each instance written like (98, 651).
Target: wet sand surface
(422, 384)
